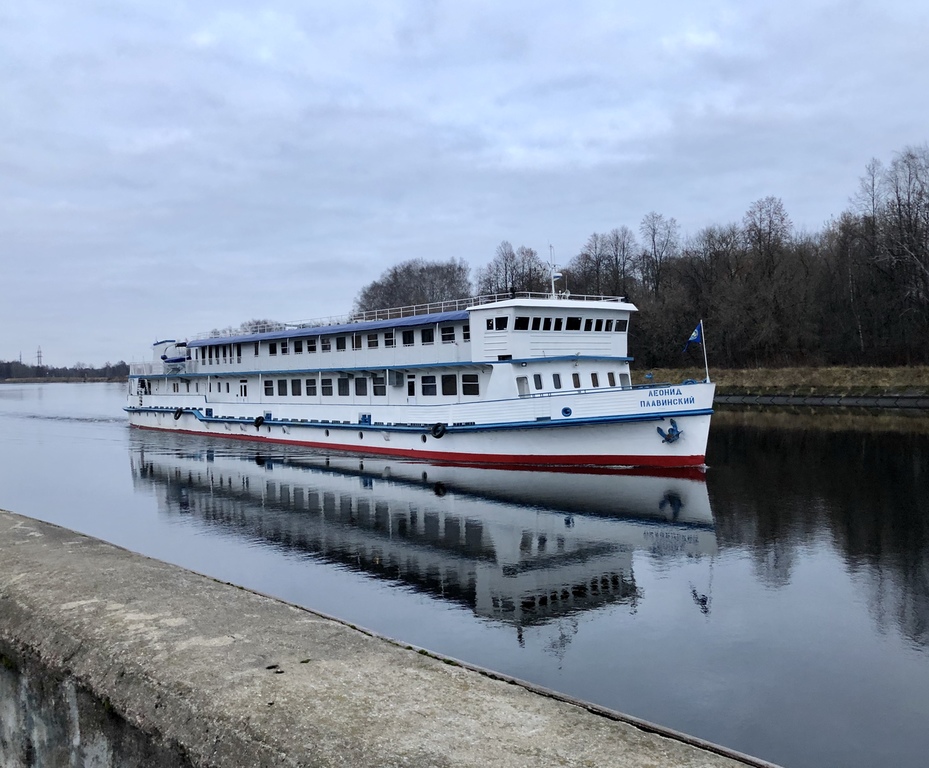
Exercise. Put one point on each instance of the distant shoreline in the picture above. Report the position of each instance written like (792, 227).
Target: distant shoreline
(66, 380)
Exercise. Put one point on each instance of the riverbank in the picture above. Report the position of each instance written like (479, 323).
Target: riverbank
(832, 381)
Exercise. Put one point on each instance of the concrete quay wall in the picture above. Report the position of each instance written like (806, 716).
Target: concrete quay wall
(111, 658)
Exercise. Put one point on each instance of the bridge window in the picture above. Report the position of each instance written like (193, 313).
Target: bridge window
(558, 322)
(521, 324)
(598, 326)
(621, 326)
(573, 324)
(547, 324)
(536, 323)
(588, 324)
(449, 384)
(608, 325)
(469, 384)
(500, 323)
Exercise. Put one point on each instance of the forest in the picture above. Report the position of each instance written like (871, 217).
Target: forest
(854, 293)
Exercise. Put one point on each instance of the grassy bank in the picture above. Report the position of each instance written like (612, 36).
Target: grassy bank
(802, 381)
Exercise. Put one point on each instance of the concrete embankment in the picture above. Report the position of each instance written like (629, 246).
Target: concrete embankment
(888, 400)
(111, 658)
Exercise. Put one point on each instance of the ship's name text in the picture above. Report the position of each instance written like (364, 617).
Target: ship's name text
(664, 397)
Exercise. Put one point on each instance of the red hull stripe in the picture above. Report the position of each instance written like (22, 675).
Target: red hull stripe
(478, 459)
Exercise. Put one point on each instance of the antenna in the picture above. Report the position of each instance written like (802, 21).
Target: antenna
(553, 266)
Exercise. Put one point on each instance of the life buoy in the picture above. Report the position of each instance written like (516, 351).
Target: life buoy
(178, 413)
(259, 420)
(438, 429)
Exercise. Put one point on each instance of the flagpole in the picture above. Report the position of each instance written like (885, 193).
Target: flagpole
(706, 365)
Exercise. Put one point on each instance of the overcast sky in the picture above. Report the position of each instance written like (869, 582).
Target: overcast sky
(167, 167)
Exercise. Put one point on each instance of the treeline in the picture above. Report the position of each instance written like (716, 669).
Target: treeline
(854, 293)
(13, 369)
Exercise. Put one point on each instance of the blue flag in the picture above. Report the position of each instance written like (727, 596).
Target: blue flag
(696, 337)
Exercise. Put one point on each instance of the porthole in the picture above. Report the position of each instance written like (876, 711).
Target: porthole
(423, 438)
(361, 435)
(327, 433)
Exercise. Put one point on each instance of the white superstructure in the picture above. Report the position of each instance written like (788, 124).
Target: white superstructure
(521, 380)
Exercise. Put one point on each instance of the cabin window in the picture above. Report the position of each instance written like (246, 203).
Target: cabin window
(296, 387)
(410, 384)
(448, 334)
(209, 353)
(588, 324)
(372, 341)
(611, 377)
(408, 338)
(537, 380)
(257, 348)
(576, 380)
(558, 322)
(325, 345)
(269, 388)
(343, 386)
(573, 324)
(608, 325)
(227, 387)
(469, 384)
(224, 353)
(428, 385)
(449, 384)
(243, 387)
(325, 386)
(547, 324)
(427, 335)
(598, 326)
(340, 344)
(556, 380)
(284, 348)
(594, 380)
(466, 333)
(356, 341)
(621, 326)
(272, 347)
(521, 324)
(536, 323)
(311, 345)
(522, 386)
(361, 386)
(298, 347)
(379, 384)
(282, 387)
(389, 340)
(311, 387)
(238, 353)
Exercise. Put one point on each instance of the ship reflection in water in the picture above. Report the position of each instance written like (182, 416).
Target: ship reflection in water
(521, 547)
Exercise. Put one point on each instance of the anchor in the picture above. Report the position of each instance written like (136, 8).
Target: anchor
(672, 434)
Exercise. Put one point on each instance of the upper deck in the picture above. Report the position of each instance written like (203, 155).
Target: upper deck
(479, 330)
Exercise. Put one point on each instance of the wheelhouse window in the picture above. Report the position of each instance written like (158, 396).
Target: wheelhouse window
(608, 325)
(427, 336)
(621, 326)
(573, 324)
(558, 323)
(449, 384)
(282, 387)
(448, 334)
(521, 324)
(536, 323)
(428, 385)
(469, 384)
(598, 326)
(547, 324)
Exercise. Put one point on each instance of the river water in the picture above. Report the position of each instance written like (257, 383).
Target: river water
(778, 605)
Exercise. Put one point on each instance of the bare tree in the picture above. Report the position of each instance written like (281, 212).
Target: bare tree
(661, 244)
(513, 270)
(416, 282)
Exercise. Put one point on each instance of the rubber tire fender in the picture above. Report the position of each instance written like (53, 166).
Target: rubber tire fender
(178, 413)
(438, 429)
(259, 420)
